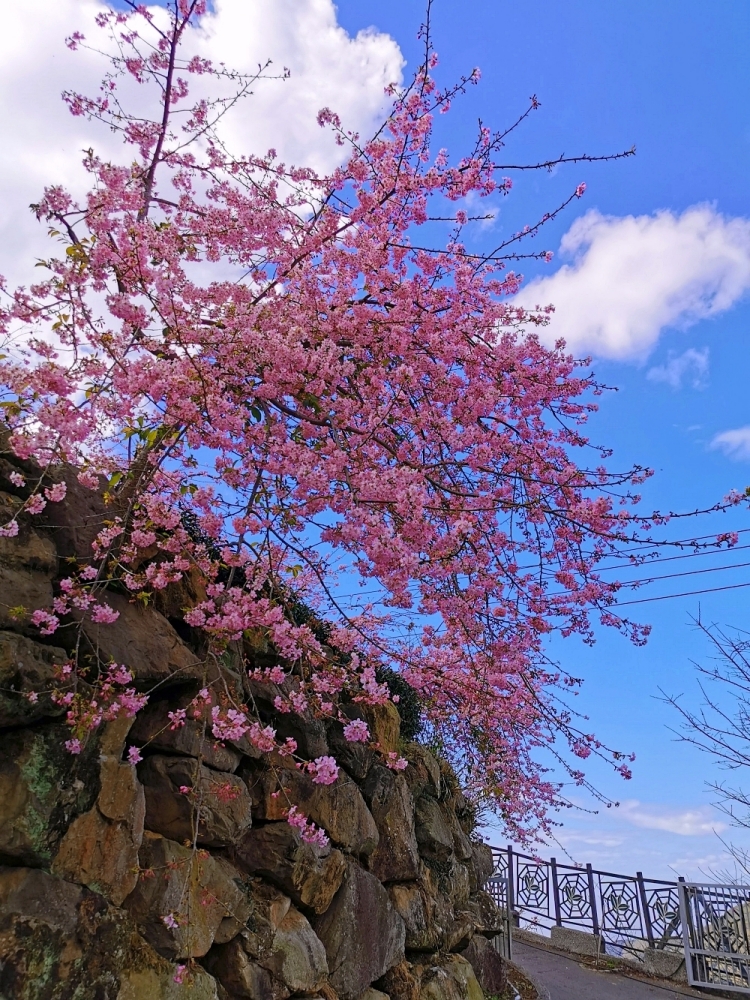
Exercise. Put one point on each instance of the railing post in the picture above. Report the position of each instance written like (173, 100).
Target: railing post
(555, 891)
(511, 887)
(688, 936)
(645, 909)
(592, 899)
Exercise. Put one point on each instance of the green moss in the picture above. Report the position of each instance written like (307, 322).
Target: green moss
(37, 770)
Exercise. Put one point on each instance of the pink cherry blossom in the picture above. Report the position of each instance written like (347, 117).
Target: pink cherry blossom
(309, 832)
(396, 763)
(228, 725)
(365, 394)
(323, 770)
(104, 614)
(177, 718)
(36, 504)
(262, 737)
(357, 731)
(46, 623)
(56, 493)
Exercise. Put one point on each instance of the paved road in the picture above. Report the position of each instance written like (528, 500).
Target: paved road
(559, 977)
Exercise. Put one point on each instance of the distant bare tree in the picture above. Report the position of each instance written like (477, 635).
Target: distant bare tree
(721, 728)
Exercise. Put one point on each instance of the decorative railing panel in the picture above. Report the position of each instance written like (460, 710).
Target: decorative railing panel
(716, 920)
(709, 923)
(630, 912)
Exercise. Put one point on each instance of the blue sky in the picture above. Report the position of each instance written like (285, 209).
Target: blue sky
(671, 77)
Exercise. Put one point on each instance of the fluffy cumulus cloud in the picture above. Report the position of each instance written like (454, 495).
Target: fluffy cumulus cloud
(43, 144)
(631, 277)
(690, 366)
(734, 443)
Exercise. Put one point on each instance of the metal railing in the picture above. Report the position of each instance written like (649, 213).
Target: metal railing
(708, 923)
(715, 919)
(502, 942)
(630, 912)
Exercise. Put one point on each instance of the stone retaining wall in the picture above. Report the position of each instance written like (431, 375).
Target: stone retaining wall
(108, 892)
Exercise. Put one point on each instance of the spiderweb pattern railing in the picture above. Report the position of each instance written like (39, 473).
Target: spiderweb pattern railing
(630, 912)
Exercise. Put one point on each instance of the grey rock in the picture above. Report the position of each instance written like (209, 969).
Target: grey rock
(434, 836)
(59, 940)
(296, 956)
(488, 966)
(426, 921)
(373, 994)
(460, 933)
(423, 772)
(457, 883)
(34, 895)
(100, 848)
(483, 865)
(485, 914)
(355, 758)
(363, 934)
(183, 898)
(153, 728)
(396, 857)
(241, 976)
(75, 523)
(219, 802)
(338, 808)
(308, 731)
(42, 788)
(278, 953)
(310, 875)
(28, 564)
(144, 641)
(448, 977)
(25, 667)
(462, 846)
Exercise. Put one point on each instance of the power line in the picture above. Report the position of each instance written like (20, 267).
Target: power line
(706, 551)
(690, 572)
(689, 593)
(685, 555)
(686, 541)
(642, 582)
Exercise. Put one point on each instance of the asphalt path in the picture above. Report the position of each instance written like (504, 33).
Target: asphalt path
(560, 977)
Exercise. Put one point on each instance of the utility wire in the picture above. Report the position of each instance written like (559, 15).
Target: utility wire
(686, 555)
(689, 593)
(689, 572)
(643, 581)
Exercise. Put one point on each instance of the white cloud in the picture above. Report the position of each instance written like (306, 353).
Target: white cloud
(691, 362)
(632, 277)
(42, 143)
(685, 822)
(734, 443)
(329, 68)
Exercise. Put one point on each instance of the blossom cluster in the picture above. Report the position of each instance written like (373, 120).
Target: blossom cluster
(359, 396)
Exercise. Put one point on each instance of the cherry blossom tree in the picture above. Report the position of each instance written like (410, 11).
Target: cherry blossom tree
(293, 382)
